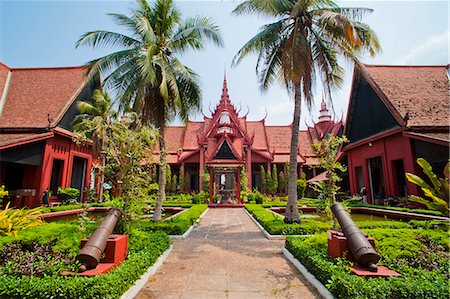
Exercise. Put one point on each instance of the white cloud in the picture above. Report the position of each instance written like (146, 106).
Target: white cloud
(434, 50)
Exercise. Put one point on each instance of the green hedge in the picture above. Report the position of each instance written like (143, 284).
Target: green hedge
(274, 223)
(144, 250)
(178, 224)
(398, 209)
(424, 268)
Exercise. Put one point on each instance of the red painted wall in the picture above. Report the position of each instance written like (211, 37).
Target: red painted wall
(62, 148)
(390, 148)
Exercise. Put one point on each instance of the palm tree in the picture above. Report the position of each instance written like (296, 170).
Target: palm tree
(146, 75)
(92, 122)
(301, 47)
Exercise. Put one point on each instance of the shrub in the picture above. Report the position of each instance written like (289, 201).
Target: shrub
(274, 224)
(301, 186)
(205, 182)
(258, 197)
(14, 220)
(201, 197)
(414, 283)
(68, 193)
(407, 210)
(144, 250)
(177, 225)
(438, 193)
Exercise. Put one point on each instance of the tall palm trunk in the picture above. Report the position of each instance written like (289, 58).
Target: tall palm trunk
(292, 214)
(162, 175)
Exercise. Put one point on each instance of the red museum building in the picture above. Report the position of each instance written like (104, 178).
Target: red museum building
(37, 107)
(225, 142)
(396, 114)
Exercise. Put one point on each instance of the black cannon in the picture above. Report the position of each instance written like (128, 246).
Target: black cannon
(363, 252)
(90, 254)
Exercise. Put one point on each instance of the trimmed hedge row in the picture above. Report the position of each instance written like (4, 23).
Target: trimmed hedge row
(144, 250)
(407, 210)
(274, 223)
(178, 224)
(414, 282)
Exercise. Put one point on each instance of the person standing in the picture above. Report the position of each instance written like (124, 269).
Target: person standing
(363, 193)
(44, 199)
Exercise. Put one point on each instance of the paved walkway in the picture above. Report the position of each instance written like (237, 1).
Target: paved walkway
(227, 256)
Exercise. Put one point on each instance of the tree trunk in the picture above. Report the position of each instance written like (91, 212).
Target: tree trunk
(162, 175)
(292, 214)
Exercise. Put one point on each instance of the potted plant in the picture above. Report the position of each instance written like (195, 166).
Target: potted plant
(68, 195)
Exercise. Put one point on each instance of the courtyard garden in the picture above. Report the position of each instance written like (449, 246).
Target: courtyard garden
(126, 127)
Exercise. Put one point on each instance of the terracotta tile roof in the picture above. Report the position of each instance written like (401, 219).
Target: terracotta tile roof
(260, 139)
(33, 93)
(10, 140)
(174, 138)
(434, 135)
(279, 138)
(305, 144)
(4, 71)
(420, 91)
(190, 137)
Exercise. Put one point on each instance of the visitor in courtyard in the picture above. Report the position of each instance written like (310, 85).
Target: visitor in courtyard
(44, 199)
(363, 193)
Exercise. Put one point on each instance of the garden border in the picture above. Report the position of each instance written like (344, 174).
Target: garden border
(141, 282)
(266, 234)
(186, 233)
(307, 275)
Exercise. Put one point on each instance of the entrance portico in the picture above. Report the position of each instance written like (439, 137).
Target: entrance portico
(225, 182)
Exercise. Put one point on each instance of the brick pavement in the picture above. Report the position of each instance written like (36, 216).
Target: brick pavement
(227, 256)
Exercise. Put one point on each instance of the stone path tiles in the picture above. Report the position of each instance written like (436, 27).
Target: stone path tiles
(227, 256)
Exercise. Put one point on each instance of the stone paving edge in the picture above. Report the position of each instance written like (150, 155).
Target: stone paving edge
(186, 233)
(141, 282)
(323, 291)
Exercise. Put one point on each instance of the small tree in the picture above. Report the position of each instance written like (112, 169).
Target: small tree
(269, 181)
(205, 182)
(274, 179)
(174, 187)
(244, 180)
(128, 143)
(327, 150)
(263, 179)
(282, 183)
(286, 176)
(301, 185)
(168, 179)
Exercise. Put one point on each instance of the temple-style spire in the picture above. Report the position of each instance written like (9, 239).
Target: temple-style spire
(324, 113)
(225, 98)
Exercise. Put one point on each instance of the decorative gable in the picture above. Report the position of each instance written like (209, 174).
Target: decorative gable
(368, 114)
(225, 152)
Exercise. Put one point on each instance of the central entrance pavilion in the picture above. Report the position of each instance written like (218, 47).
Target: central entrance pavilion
(225, 185)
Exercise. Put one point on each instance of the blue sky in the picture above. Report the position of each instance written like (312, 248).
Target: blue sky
(43, 33)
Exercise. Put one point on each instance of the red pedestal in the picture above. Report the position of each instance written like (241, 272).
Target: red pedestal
(382, 271)
(115, 253)
(338, 247)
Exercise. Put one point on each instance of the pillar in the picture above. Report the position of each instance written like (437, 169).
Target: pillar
(211, 184)
(248, 167)
(201, 168)
(239, 184)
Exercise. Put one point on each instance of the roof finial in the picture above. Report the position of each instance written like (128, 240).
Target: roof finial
(225, 95)
(324, 113)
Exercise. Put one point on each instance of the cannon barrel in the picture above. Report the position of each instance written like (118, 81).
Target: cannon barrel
(363, 252)
(90, 254)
